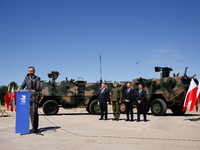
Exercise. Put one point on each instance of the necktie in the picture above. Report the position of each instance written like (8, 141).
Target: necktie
(140, 92)
(127, 91)
(102, 91)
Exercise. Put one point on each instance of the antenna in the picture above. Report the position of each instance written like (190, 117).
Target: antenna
(100, 70)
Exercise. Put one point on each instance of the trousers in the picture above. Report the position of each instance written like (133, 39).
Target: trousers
(129, 108)
(34, 113)
(104, 110)
(141, 107)
(116, 109)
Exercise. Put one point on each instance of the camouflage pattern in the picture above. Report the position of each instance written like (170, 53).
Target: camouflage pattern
(171, 90)
(71, 94)
(163, 93)
(116, 95)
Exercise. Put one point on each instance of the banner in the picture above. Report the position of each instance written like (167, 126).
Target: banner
(22, 112)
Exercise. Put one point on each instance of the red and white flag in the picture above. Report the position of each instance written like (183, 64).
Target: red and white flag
(12, 97)
(6, 99)
(198, 96)
(191, 96)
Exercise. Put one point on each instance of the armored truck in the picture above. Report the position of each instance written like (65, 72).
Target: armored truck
(69, 94)
(164, 93)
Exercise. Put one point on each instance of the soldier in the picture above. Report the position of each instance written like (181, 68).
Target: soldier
(116, 97)
(128, 98)
(103, 101)
(141, 102)
(32, 83)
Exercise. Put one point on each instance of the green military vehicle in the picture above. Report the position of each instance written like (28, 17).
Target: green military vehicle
(69, 94)
(164, 93)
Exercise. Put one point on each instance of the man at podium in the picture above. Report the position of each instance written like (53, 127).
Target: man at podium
(32, 83)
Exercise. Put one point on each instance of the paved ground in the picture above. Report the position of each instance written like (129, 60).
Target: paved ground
(74, 129)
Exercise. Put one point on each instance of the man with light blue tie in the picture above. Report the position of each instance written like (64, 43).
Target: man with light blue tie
(128, 98)
(140, 98)
(103, 101)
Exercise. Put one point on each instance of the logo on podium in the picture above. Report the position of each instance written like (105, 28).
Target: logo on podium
(22, 100)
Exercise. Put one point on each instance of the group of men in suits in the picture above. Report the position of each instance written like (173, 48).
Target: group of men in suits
(128, 97)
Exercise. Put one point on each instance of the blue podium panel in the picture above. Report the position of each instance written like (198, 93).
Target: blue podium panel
(22, 112)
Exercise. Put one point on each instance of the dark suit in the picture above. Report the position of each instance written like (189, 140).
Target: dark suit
(129, 106)
(103, 99)
(34, 84)
(142, 105)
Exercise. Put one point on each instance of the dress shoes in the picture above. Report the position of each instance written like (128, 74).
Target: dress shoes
(117, 119)
(138, 120)
(33, 131)
(106, 119)
(114, 119)
(101, 119)
(145, 120)
(127, 120)
(132, 120)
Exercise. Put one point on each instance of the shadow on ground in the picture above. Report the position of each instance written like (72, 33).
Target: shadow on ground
(49, 129)
(193, 119)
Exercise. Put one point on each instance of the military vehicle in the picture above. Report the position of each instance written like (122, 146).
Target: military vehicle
(164, 93)
(69, 94)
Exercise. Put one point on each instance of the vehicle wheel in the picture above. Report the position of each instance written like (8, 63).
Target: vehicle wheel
(122, 108)
(50, 107)
(88, 110)
(158, 107)
(94, 107)
(177, 111)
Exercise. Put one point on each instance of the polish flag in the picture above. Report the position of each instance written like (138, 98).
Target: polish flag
(198, 96)
(12, 97)
(6, 98)
(191, 96)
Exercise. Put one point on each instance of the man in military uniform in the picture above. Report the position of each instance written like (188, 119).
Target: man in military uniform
(116, 97)
(32, 83)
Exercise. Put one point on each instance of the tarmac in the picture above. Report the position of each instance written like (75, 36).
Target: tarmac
(76, 129)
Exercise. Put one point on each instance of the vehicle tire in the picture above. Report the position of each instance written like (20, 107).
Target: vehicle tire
(95, 108)
(50, 107)
(177, 111)
(122, 108)
(88, 110)
(158, 107)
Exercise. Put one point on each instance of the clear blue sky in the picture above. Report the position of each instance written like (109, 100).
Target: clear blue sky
(69, 35)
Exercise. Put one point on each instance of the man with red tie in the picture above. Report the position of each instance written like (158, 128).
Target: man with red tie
(103, 101)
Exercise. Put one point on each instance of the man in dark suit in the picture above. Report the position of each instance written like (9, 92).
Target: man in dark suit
(103, 101)
(128, 98)
(140, 98)
(32, 83)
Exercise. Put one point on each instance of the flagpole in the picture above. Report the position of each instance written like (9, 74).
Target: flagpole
(100, 70)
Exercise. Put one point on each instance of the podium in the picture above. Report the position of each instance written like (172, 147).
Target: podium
(22, 112)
